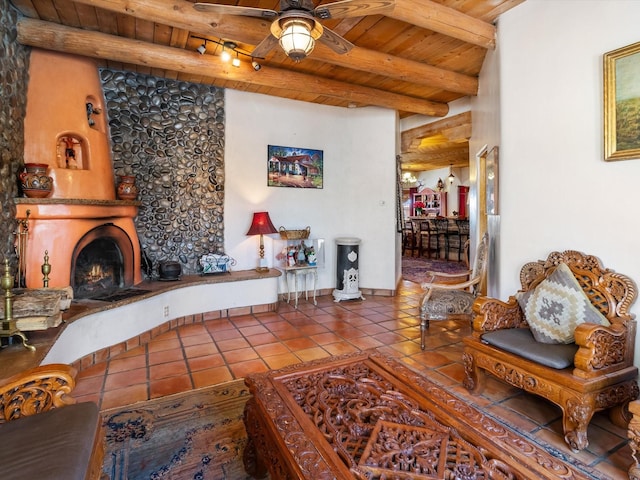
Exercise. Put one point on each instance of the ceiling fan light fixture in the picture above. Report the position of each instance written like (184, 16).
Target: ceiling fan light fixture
(297, 39)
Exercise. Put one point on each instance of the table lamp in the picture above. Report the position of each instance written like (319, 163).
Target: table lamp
(261, 225)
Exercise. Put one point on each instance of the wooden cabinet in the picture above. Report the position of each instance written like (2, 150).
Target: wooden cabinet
(435, 203)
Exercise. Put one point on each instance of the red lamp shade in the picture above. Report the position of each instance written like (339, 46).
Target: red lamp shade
(261, 224)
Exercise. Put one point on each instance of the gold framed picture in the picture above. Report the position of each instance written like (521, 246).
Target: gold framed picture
(622, 103)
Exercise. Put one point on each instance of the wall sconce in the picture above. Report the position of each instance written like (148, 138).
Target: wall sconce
(451, 175)
(261, 225)
(440, 185)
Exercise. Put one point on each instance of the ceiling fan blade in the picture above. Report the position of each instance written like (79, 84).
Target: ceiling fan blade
(354, 8)
(335, 42)
(264, 47)
(233, 10)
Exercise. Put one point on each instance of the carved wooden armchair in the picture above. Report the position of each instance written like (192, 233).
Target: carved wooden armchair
(593, 372)
(452, 295)
(44, 433)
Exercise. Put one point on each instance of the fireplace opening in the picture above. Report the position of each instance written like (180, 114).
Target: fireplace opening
(99, 269)
(102, 263)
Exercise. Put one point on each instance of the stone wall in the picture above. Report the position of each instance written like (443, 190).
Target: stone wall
(14, 75)
(170, 135)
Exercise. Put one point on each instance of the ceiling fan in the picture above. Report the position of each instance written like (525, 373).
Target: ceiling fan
(296, 27)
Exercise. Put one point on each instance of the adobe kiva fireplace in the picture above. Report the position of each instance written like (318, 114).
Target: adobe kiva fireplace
(89, 236)
(92, 245)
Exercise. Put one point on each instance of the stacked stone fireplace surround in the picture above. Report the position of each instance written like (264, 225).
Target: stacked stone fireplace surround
(14, 68)
(168, 134)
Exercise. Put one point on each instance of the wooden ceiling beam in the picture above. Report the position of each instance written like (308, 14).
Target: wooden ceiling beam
(445, 20)
(411, 139)
(419, 162)
(181, 14)
(51, 36)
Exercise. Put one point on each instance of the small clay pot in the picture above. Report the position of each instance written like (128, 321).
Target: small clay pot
(169, 270)
(34, 181)
(127, 189)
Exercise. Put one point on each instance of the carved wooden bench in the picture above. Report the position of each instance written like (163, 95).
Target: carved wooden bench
(590, 371)
(44, 433)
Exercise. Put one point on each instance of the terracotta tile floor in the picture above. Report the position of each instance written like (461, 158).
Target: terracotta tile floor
(219, 350)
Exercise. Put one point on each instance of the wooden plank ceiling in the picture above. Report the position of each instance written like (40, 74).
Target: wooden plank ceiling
(416, 58)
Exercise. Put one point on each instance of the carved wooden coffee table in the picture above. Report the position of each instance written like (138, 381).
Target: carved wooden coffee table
(366, 416)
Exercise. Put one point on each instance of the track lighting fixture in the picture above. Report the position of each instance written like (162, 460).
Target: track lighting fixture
(228, 49)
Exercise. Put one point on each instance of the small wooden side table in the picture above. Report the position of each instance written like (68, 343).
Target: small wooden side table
(304, 271)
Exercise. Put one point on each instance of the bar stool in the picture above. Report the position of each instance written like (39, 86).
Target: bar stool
(409, 240)
(424, 238)
(442, 234)
(462, 234)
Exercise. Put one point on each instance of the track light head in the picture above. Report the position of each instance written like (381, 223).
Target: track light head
(202, 48)
(256, 66)
(235, 62)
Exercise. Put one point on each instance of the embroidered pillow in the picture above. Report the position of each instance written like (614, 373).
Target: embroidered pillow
(557, 306)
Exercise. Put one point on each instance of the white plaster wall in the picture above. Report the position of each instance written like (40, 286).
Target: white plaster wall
(556, 190)
(486, 135)
(358, 198)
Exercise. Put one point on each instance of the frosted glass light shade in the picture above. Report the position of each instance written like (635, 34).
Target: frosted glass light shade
(296, 39)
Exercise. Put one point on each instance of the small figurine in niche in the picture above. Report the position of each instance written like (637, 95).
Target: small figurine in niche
(70, 154)
(90, 111)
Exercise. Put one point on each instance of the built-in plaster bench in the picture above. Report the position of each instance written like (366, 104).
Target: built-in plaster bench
(117, 323)
(43, 432)
(92, 331)
(567, 336)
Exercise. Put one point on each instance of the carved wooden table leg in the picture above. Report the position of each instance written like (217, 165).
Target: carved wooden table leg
(253, 464)
(634, 439)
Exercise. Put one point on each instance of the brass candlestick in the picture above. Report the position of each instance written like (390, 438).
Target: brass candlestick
(8, 325)
(46, 269)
